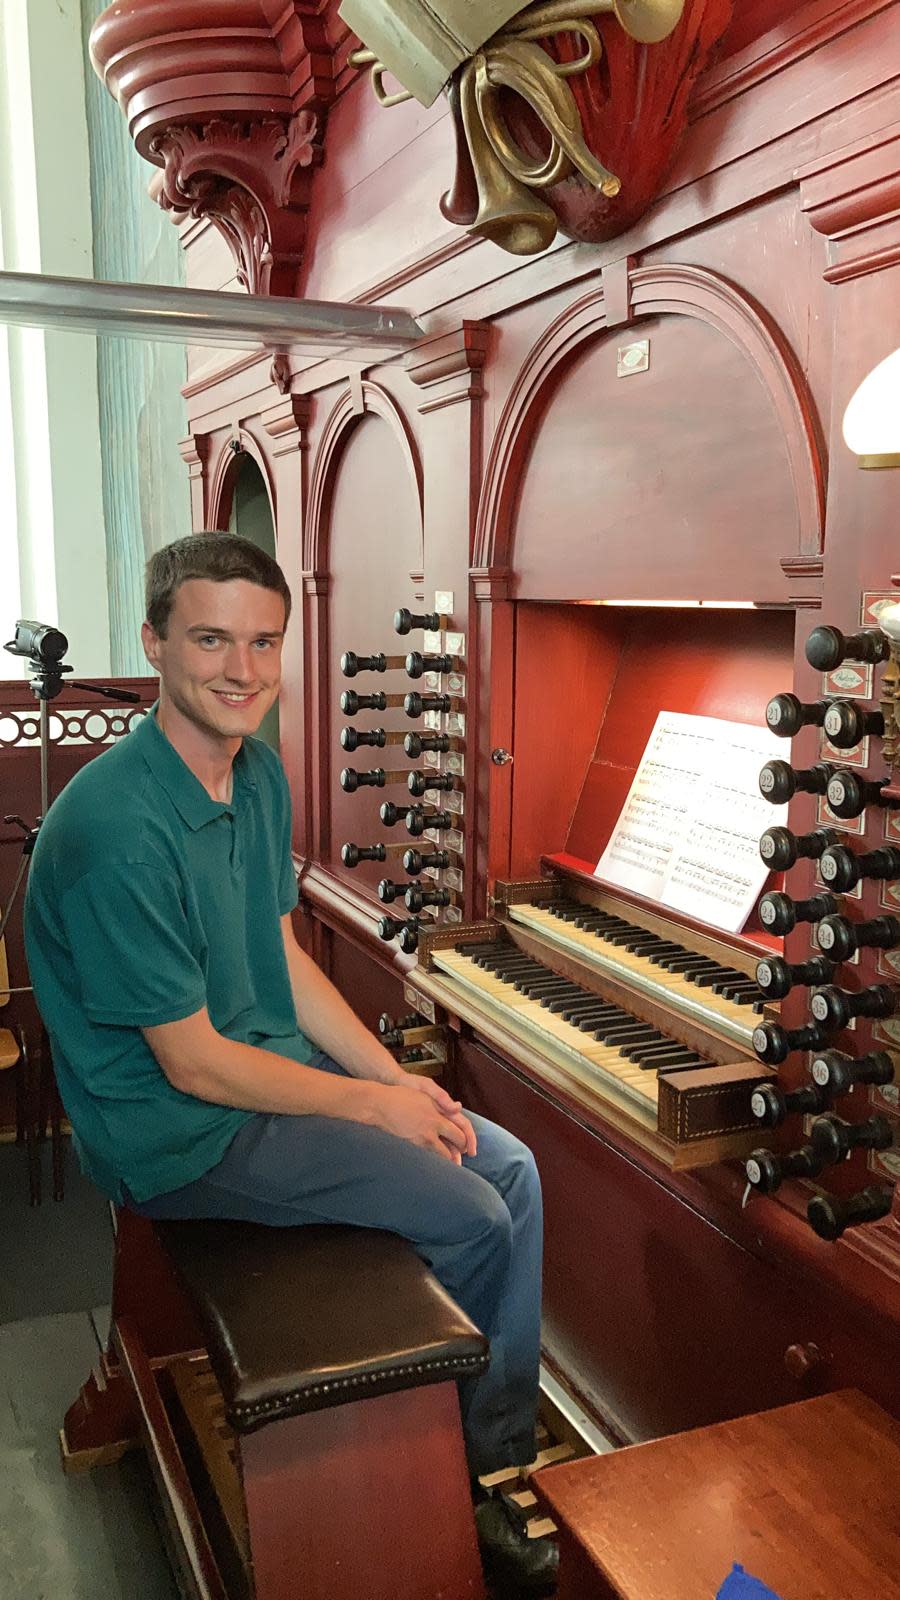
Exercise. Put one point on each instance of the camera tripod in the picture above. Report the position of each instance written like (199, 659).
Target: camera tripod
(44, 647)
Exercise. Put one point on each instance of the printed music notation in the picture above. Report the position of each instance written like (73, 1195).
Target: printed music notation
(688, 833)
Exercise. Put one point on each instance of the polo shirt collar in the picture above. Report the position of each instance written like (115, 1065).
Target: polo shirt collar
(183, 787)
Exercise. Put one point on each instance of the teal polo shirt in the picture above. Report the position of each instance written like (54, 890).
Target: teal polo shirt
(148, 900)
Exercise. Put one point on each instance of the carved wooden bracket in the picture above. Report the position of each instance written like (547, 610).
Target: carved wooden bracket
(229, 99)
(570, 115)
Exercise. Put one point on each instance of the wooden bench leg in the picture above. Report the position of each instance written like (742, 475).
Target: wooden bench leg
(102, 1423)
(369, 1499)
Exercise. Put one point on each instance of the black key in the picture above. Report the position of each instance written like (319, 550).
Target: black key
(612, 1032)
(739, 992)
(620, 1041)
(585, 1006)
(592, 1015)
(658, 949)
(654, 1061)
(636, 1052)
(547, 993)
(728, 981)
(689, 963)
(706, 980)
(599, 925)
(688, 1065)
(591, 1018)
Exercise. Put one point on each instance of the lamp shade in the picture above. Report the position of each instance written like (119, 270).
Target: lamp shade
(872, 419)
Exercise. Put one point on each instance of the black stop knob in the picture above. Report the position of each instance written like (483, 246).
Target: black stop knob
(351, 663)
(780, 848)
(386, 1023)
(827, 648)
(351, 702)
(418, 782)
(842, 870)
(766, 1172)
(840, 939)
(834, 1007)
(779, 781)
(391, 814)
(418, 820)
(415, 744)
(786, 715)
(351, 780)
(829, 1216)
(780, 914)
(389, 891)
(846, 723)
(417, 665)
(405, 621)
(776, 977)
(353, 854)
(416, 704)
(351, 738)
(773, 1043)
(832, 1138)
(415, 862)
(849, 794)
(837, 1072)
(417, 897)
(770, 1104)
(390, 928)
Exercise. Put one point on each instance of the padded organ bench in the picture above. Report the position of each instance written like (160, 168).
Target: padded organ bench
(337, 1353)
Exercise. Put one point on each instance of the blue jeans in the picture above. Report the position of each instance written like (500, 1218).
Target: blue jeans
(479, 1227)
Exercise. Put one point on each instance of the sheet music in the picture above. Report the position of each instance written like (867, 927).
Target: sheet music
(688, 833)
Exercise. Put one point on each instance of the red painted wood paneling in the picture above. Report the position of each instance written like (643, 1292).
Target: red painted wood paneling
(662, 1320)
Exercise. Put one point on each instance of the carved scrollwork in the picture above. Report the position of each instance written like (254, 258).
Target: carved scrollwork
(250, 179)
(561, 121)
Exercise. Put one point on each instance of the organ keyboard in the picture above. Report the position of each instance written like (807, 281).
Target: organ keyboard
(625, 1008)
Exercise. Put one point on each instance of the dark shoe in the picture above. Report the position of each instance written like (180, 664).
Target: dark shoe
(513, 1564)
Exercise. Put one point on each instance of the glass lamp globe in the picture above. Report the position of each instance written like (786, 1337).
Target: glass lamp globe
(872, 419)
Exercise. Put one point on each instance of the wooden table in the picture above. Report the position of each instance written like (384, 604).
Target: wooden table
(805, 1497)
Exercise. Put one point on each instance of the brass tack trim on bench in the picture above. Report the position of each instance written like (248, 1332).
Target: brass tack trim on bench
(242, 1414)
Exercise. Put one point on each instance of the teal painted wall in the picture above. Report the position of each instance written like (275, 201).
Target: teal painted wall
(146, 499)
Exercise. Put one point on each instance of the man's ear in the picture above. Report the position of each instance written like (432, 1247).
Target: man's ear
(151, 643)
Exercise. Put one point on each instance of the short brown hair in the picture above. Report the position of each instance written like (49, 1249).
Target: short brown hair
(218, 556)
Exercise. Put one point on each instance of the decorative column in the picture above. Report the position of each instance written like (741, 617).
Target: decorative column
(447, 370)
(286, 425)
(194, 451)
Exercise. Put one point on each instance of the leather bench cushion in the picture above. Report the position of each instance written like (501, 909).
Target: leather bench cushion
(299, 1319)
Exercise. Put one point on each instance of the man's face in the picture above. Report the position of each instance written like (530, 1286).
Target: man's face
(220, 663)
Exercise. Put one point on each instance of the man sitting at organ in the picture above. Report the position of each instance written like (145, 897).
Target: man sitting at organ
(207, 1065)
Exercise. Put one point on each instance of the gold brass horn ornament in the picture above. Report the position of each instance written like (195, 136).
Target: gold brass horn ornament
(506, 177)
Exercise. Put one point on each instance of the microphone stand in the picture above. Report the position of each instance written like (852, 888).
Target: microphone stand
(47, 671)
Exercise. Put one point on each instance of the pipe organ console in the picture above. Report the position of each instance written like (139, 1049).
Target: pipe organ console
(607, 482)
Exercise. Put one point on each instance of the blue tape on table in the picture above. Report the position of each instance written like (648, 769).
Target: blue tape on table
(740, 1585)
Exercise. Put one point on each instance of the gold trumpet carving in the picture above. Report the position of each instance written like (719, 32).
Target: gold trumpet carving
(501, 199)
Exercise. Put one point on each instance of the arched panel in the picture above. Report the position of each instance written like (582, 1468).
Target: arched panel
(639, 486)
(225, 472)
(371, 531)
(604, 485)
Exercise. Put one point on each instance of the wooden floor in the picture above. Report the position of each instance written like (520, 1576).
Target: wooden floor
(75, 1538)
